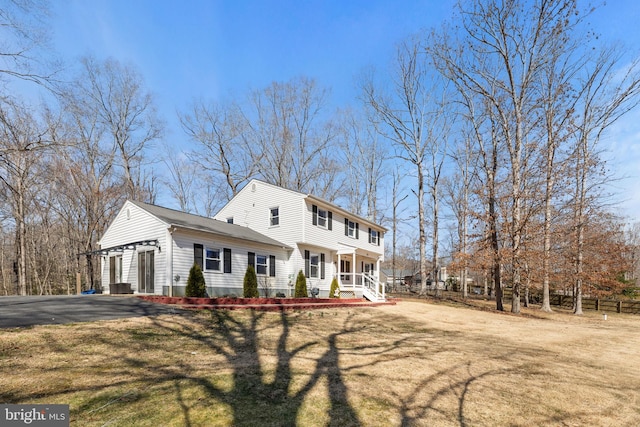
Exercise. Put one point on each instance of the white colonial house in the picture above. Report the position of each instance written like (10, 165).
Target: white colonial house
(150, 249)
(327, 240)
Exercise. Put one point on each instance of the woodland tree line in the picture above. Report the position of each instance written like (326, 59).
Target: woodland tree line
(482, 144)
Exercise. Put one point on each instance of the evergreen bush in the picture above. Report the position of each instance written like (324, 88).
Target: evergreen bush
(301, 286)
(196, 287)
(334, 287)
(250, 288)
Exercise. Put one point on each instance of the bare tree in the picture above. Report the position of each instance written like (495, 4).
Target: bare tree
(396, 199)
(365, 158)
(606, 92)
(412, 115)
(24, 50)
(22, 142)
(459, 189)
(223, 150)
(115, 94)
(292, 137)
(502, 52)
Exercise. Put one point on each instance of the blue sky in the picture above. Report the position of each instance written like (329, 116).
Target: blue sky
(220, 49)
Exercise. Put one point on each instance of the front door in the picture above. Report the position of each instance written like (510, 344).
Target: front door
(145, 272)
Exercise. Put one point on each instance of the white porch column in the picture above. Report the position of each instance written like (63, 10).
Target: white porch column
(338, 268)
(355, 269)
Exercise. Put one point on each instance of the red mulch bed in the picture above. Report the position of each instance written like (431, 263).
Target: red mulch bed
(262, 303)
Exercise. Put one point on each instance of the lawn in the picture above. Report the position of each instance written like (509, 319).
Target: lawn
(412, 364)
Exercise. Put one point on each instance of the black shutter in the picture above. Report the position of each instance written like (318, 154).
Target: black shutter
(227, 260)
(369, 234)
(251, 261)
(380, 234)
(322, 266)
(330, 214)
(306, 263)
(272, 265)
(198, 254)
(314, 208)
(357, 231)
(346, 226)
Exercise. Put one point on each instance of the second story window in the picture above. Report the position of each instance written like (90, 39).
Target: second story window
(322, 217)
(350, 228)
(374, 237)
(274, 217)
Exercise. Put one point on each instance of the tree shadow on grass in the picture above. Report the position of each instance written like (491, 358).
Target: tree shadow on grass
(257, 397)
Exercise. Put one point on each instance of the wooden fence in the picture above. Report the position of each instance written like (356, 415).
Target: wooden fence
(564, 301)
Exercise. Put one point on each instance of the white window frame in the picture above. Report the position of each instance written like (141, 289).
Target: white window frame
(260, 265)
(274, 220)
(323, 220)
(208, 258)
(351, 229)
(374, 237)
(313, 266)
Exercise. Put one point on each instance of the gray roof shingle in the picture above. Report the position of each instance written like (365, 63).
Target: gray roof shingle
(209, 225)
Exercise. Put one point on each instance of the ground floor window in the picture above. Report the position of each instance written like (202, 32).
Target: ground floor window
(212, 259)
(261, 264)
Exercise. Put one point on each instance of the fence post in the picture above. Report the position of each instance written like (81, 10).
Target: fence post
(619, 306)
(597, 304)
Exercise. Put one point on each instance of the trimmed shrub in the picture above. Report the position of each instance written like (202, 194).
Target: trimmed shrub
(196, 287)
(250, 288)
(334, 287)
(301, 286)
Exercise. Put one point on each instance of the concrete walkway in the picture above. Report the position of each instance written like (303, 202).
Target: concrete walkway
(61, 309)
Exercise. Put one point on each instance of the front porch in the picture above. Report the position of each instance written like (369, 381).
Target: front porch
(358, 274)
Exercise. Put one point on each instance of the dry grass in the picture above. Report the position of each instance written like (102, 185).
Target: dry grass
(412, 364)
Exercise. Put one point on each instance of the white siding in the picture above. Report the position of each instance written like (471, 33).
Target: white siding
(251, 208)
(133, 224)
(219, 283)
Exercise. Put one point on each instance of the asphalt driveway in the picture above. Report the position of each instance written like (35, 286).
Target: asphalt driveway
(60, 309)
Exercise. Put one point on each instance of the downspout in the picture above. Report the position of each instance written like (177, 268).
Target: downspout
(169, 258)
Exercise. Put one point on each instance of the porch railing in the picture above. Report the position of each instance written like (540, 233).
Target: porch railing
(362, 284)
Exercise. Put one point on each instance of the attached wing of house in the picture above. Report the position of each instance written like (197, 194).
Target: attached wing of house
(152, 248)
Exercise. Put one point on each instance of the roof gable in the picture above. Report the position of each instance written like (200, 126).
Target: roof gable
(313, 199)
